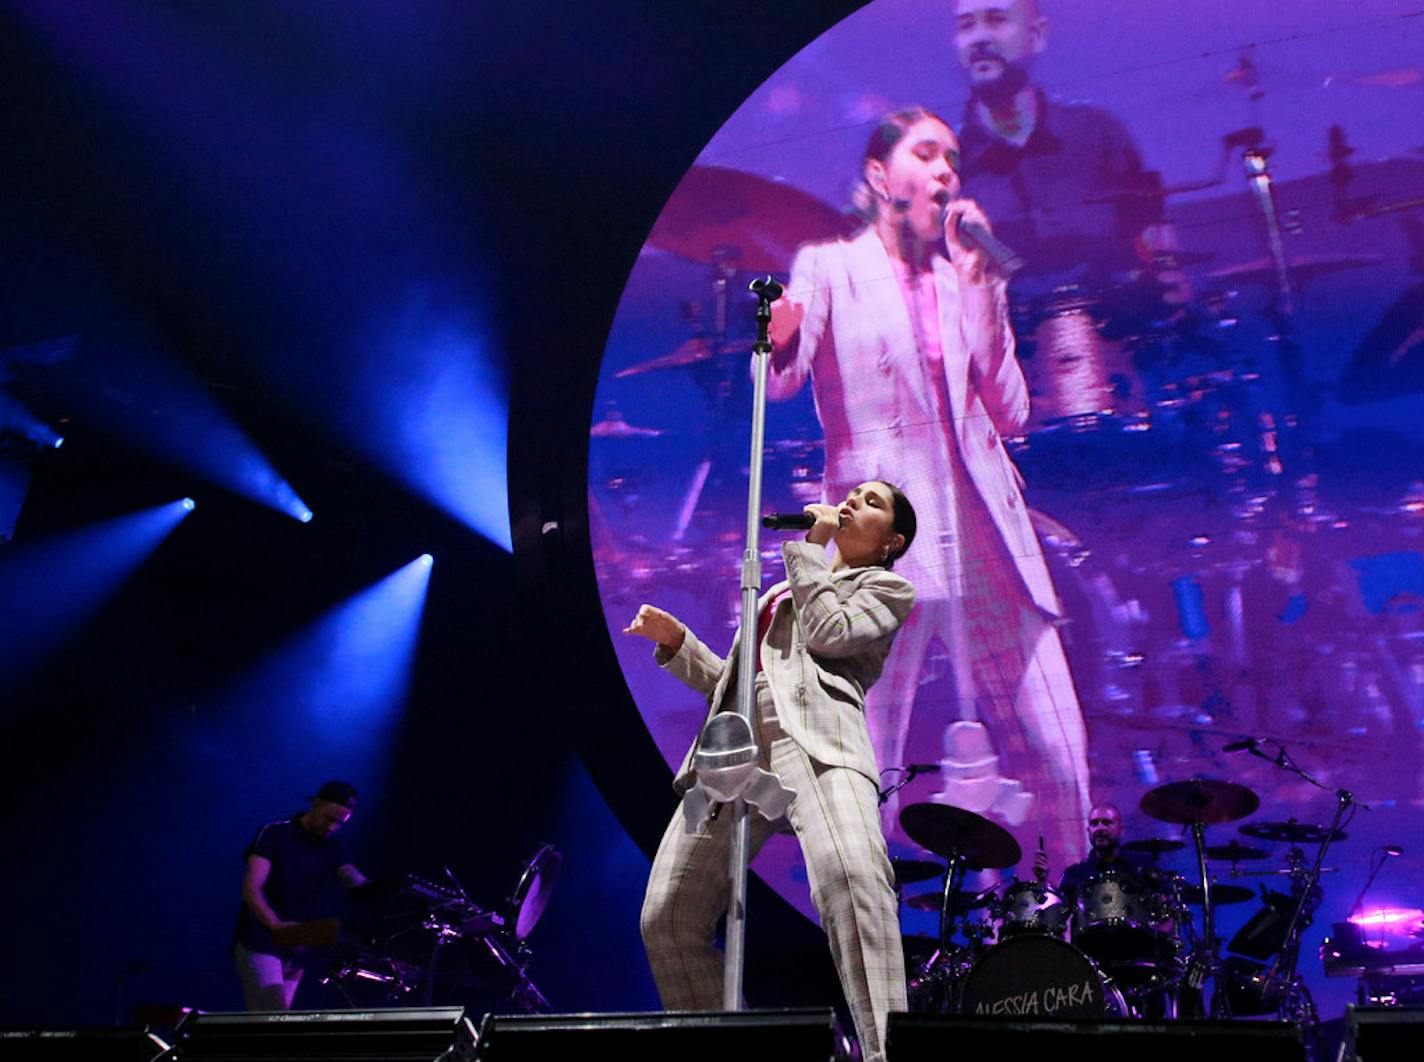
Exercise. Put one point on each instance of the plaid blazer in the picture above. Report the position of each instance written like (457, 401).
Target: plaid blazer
(825, 647)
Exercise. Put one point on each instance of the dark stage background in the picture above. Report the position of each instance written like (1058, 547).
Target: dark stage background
(345, 237)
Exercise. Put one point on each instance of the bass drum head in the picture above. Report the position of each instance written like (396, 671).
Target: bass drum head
(1038, 977)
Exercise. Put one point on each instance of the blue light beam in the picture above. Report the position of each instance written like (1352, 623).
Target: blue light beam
(417, 387)
(52, 586)
(133, 394)
(327, 699)
(438, 395)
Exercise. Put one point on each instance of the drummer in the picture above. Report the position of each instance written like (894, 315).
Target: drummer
(1105, 834)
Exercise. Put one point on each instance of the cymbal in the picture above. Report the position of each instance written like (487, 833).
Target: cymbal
(933, 901)
(1222, 894)
(723, 215)
(1203, 800)
(689, 352)
(1154, 846)
(945, 830)
(1235, 852)
(911, 871)
(1303, 267)
(616, 427)
(1291, 832)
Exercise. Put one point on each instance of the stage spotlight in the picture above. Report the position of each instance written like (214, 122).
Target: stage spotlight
(305, 516)
(51, 586)
(189, 504)
(426, 559)
(16, 419)
(328, 699)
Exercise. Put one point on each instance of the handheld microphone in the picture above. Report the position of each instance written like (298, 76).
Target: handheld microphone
(1393, 850)
(788, 521)
(1244, 745)
(971, 233)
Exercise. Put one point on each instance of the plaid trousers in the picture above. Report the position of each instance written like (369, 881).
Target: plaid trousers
(836, 818)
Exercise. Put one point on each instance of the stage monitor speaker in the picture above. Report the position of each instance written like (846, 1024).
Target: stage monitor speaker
(103, 1044)
(932, 1037)
(709, 1036)
(413, 1033)
(1384, 1034)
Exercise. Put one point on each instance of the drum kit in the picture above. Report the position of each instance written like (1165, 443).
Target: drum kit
(410, 941)
(1121, 938)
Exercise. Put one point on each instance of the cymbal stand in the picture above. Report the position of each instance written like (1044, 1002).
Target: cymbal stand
(716, 383)
(767, 291)
(948, 957)
(1208, 952)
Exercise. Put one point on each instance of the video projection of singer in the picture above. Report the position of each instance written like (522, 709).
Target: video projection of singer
(1169, 474)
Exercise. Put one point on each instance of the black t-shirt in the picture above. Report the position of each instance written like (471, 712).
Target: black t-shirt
(302, 885)
(1063, 200)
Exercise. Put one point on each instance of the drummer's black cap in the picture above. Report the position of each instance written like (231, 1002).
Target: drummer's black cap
(335, 792)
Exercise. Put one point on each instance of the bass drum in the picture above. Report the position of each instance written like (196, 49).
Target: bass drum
(1036, 976)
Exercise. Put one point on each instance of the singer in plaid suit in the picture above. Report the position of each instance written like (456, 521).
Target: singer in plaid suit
(825, 632)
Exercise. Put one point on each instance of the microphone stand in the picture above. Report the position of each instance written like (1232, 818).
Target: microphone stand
(767, 291)
(1281, 979)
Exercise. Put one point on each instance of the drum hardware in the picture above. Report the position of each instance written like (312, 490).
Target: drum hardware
(446, 915)
(1153, 846)
(1281, 982)
(1234, 852)
(965, 840)
(1198, 803)
(914, 871)
(1291, 832)
(963, 902)
(1223, 894)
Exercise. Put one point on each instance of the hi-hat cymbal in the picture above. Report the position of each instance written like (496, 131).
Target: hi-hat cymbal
(1291, 832)
(1204, 800)
(911, 871)
(946, 830)
(1235, 852)
(1154, 846)
(933, 901)
(1221, 894)
(742, 220)
(689, 352)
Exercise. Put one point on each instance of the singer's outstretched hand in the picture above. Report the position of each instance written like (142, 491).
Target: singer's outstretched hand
(828, 522)
(658, 626)
(968, 259)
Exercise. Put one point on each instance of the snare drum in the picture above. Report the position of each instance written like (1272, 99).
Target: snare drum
(1031, 907)
(1033, 975)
